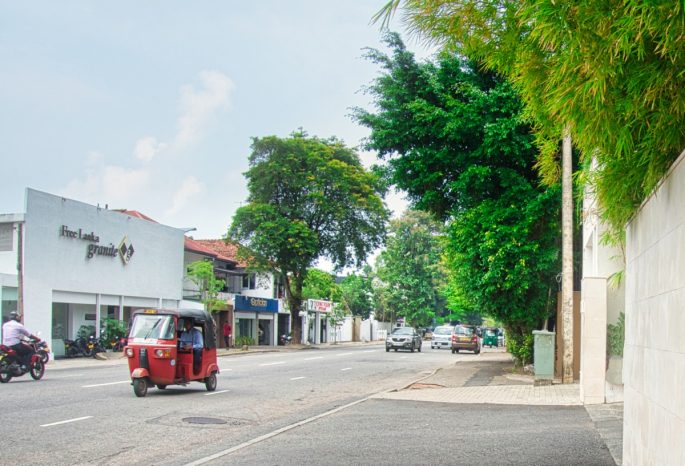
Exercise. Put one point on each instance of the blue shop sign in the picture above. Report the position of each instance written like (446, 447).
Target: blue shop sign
(248, 303)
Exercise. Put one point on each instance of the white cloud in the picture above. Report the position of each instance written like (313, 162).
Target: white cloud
(147, 148)
(198, 106)
(111, 184)
(190, 189)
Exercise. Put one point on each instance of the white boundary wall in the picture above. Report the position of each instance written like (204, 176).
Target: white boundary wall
(654, 356)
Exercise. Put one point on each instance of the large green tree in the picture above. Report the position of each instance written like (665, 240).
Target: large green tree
(409, 268)
(308, 198)
(357, 292)
(457, 141)
(611, 72)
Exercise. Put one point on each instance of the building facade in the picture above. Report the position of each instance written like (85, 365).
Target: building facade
(74, 264)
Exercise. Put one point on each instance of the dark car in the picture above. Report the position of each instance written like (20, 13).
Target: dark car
(403, 338)
(465, 337)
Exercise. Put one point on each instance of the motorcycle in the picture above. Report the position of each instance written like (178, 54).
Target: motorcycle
(41, 348)
(71, 348)
(286, 339)
(11, 367)
(94, 346)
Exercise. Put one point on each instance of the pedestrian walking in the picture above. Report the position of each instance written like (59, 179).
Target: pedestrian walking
(227, 334)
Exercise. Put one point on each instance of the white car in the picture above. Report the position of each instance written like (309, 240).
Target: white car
(442, 337)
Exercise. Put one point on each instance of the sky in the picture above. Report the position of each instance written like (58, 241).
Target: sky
(151, 106)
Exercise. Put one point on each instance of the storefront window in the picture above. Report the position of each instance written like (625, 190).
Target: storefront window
(245, 328)
(60, 320)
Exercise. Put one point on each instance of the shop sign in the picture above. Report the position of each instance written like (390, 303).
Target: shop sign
(318, 305)
(125, 249)
(248, 303)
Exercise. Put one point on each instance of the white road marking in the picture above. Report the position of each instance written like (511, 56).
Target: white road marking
(105, 384)
(311, 359)
(216, 393)
(298, 378)
(345, 354)
(67, 421)
(228, 451)
(369, 351)
(273, 363)
(346, 369)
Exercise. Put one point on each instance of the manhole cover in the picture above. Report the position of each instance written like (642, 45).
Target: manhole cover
(203, 420)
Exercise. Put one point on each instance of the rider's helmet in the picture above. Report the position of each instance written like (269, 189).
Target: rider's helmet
(14, 315)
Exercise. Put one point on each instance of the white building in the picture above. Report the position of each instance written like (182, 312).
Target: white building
(81, 262)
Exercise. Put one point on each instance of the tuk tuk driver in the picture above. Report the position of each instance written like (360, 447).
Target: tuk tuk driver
(191, 339)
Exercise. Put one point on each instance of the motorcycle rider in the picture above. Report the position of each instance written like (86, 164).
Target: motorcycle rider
(12, 331)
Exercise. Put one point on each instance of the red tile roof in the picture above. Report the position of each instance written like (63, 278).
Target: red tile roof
(135, 213)
(226, 251)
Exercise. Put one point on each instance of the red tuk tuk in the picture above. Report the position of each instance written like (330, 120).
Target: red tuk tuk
(155, 356)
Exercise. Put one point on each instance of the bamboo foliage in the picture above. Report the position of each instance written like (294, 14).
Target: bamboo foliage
(611, 70)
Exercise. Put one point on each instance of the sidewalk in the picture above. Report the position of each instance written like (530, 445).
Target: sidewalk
(488, 379)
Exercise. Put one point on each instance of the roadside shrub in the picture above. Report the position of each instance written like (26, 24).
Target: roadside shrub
(616, 335)
(520, 346)
(244, 341)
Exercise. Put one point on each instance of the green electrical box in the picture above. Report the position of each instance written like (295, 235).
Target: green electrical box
(544, 356)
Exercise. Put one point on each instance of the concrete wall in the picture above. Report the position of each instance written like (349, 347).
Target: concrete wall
(602, 302)
(57, 266)
(654, 355)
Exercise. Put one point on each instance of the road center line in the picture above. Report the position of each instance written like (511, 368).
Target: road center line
(298, 378)
(67, 421)
(216, 393)
(346, 369)
(345, 354)
(105, 384)
(311, 359)
(273, 363)
(228, 451)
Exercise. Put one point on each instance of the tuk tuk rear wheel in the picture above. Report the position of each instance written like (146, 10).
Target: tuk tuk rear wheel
(210, 382)
(140, 387)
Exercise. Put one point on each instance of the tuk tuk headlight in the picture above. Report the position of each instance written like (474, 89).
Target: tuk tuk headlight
(162, 353)
(129, 352)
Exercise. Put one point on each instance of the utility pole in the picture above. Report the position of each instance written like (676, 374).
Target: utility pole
(567, 257)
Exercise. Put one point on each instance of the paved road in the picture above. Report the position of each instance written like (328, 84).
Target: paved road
(292, 407)
(90, 415)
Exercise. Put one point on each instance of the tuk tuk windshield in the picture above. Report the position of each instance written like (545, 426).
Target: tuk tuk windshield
(157, 327)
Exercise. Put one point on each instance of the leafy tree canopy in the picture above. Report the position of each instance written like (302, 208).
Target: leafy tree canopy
(611, 71)
(467, 129)
(202, 274)
(357, 291)
(409, 268)
(308, 198)
(321, 285)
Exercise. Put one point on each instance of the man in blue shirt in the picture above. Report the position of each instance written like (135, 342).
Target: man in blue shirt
(191, 339)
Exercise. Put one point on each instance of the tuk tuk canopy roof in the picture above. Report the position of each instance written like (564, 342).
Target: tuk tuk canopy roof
(199, 316)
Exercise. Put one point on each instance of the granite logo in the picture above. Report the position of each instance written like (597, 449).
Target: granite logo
(125, 250)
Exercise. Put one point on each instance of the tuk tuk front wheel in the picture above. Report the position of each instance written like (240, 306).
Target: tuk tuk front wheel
(140, 387)
(210, 382)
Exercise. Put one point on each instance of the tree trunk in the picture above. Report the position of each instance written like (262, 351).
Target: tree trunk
(567, 258)
(295, 304)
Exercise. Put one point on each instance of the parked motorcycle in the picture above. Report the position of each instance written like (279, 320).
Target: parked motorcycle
(75, 348)
(11, 367)
(94, 346)
(286, 339)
